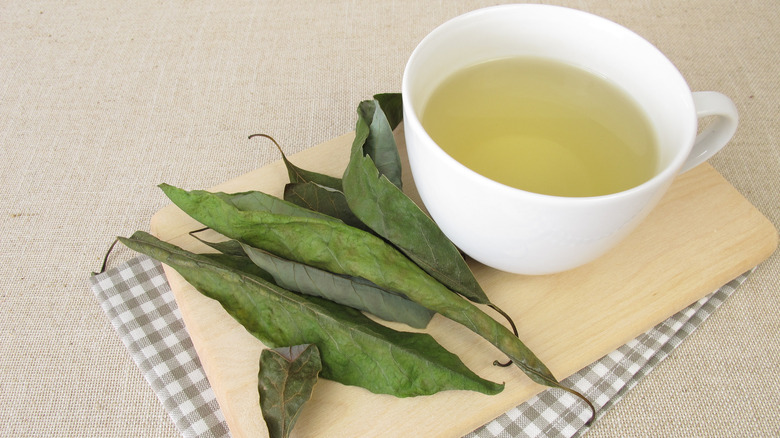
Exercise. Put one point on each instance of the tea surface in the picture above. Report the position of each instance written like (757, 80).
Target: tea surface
(542, 126)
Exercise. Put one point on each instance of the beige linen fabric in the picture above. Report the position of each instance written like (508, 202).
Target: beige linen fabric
(101, 101)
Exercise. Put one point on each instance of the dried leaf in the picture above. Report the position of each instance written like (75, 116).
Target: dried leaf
(322, 199)
(381, 205)
(355, 350)
(350, 291)
(379, 143)
(297, 174)
(392, 105)
(341, 249)
(354, 292)
(258, 201)
(285, 382)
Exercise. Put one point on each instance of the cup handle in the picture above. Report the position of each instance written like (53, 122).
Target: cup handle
(712, 138)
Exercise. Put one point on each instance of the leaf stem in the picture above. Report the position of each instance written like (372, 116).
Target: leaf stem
(266, 136)
(514, 330)
(585, 399)
(569, 390)
(105, 258)
(199, 230)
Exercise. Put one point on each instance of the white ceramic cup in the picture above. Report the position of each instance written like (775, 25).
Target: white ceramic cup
(528, 233)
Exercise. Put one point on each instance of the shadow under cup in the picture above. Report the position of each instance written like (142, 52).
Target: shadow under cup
(528, 233)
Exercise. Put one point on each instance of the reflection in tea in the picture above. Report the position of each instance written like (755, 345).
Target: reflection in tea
(542, 126)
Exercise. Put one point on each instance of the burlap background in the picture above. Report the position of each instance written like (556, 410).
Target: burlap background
(101, 101)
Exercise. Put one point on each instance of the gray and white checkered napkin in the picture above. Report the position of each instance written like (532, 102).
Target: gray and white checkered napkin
(140, 304)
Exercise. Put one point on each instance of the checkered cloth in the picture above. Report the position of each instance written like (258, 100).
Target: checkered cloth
(140, 304)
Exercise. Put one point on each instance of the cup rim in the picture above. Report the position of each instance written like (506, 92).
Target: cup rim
(666, 174)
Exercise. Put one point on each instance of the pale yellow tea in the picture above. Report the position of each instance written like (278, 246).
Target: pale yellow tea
(542, 126)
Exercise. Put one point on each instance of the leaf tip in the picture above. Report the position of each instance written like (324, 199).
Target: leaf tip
(497, 388)
(166, 188)
(172, 192)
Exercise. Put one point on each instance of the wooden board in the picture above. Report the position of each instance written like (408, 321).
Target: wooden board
(702, 235)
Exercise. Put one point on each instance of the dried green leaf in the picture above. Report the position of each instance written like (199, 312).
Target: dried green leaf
(322, 199)
(297, 174)
(258, 201)
(341, 249)
(355, 350)
(393, 106)
(354, 292)
(379, 143)
(285, 382)
(382, 206)
(350, 291)
(240, 263)
(227, 247)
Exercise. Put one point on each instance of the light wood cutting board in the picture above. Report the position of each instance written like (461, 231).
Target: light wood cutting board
(702, 235)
